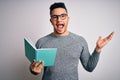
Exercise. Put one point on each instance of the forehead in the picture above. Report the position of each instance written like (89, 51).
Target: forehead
(58, 11)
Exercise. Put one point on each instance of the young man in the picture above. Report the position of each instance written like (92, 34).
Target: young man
(71, 48)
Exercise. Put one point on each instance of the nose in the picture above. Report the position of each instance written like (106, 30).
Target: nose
(58, 18)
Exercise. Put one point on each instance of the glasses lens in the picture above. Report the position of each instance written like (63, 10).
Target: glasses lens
(62, 16)
(54, 17)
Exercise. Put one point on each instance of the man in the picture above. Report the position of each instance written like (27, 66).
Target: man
(70, 49)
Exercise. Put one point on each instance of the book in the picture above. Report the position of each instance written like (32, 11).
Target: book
(47, 55)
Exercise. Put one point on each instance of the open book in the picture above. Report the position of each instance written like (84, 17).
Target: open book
(47, 55)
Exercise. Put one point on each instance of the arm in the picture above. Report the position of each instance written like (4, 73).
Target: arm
(89, 62)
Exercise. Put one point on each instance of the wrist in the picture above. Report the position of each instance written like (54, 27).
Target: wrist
(98, 49)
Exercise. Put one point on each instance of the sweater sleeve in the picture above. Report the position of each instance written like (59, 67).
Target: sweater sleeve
(89, 61)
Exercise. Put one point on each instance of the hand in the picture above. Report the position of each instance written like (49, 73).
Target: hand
(102, 42)
(36, 67)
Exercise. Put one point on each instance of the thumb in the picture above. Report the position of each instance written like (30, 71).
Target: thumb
(99, 38)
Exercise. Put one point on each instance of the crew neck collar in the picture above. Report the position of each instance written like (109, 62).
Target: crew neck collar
(60, 36)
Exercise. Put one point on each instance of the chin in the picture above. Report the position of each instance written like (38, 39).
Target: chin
(60, 32)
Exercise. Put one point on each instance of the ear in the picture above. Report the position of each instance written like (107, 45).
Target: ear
(50, 20)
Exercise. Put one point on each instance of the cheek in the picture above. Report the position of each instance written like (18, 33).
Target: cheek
(53, 23)
(66, 22)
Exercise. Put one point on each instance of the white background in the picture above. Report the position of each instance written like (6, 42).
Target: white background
(30, 18)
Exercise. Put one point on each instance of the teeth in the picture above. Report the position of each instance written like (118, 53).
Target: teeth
(60, 26)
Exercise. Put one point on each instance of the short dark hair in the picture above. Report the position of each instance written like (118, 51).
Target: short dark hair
(57, 5)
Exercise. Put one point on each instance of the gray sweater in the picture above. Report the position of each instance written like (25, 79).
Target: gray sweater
(70, 49)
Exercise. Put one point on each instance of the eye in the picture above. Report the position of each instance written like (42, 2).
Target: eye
(63, 15)
(54, 16)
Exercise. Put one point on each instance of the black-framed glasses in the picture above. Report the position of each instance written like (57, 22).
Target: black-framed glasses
(62, 16)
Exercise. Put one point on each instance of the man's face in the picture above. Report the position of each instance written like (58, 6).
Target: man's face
(59, 20)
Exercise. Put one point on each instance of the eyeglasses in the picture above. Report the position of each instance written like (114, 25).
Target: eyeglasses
(62, 16)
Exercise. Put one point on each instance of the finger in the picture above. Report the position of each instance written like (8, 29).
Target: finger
(33, 61)
(33, 64)
(41, 65)
(99, 38)
(112, 33)
(37, 63)
(110, 36)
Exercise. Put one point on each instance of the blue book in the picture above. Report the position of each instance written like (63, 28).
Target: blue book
(47, 55)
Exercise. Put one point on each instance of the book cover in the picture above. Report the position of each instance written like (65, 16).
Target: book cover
(47, 55)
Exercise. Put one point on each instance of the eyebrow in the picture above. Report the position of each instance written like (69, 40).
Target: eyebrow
(59, 14)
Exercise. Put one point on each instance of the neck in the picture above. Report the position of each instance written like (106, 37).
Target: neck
(61, 34)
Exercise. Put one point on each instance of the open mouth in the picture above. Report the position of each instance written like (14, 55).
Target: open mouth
(60, 26)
